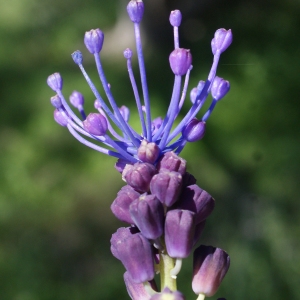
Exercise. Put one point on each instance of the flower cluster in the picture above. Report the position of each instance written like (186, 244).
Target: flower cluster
(165, 208)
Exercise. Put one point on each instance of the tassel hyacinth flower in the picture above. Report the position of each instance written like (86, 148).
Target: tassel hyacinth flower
(164, 208)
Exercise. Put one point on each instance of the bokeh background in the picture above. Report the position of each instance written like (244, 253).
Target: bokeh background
(55, 220)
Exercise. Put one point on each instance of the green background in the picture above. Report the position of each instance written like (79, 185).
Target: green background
(55, 220)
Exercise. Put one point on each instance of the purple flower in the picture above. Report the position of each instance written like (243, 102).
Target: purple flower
(210, 266)
(135, 253)
(167, 294)
(179, 232)
(158, 135)
(136, 291)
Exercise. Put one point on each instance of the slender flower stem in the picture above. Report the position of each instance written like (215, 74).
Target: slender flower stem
(99, 98)
(201, 297)
(139, 50)
(91, 145)
(112, 101)
(209, 111)
(137, 97)
(184, 90)
(166, 265)
(176, 37)
(172, 111)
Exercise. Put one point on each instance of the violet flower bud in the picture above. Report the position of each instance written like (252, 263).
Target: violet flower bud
(197, 200)
(221, 40)
(147, 212)
(156, 123)
(210, 265)
(135, 10)
(93, 40)
(193, 95)
(139, 176)
(135, 253)
(166, 186)
(220, 88)
(179, 232)
(180, 61)
(136, 291)
(95, 124)
(148, 152)
(172, 162)
(56, 101)
(55, 82)
(167, 294)
(76, 99)
(127, 53)
(175, 18)
(77, 57)
(120, 206)
(60, 118)
(194, 130)
(121, 164)
(125, 112)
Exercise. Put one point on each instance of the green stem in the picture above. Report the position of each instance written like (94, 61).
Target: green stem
(166, 265)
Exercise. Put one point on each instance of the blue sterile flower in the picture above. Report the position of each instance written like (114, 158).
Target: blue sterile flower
(108, 131)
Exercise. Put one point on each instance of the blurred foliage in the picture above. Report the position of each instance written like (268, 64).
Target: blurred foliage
(55, 220)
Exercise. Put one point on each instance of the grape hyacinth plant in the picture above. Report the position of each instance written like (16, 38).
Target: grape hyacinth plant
(163, 206)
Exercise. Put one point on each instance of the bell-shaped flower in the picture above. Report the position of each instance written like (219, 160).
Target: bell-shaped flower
(221, 40)
(175, 18)
(139, 176)
(148, 152)
(194, 130)
(55, 82)
(172, 162)
(166, 186)
(135, 10)
(93, 40)
(179, 232)
(180, 61)
(210, 265)
(95, 124)
(120, 206)
(147, 212)
(135, 253)
(197, 200)
(220, 88)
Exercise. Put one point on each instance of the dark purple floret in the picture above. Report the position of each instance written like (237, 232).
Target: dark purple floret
(120, 206)
(175, 18)
(60, 118)
(95, 124)
(221, 40)
(147, 212)
(210, 265)
(93, 40)
(172, 162)
(55, 82)
(139, 176)
(135, 9)
(194, 130)
(166, 186)
(180, 61)
(179, 232)
(77, 57)
(197, 200)
(219, 88)
(135, 253)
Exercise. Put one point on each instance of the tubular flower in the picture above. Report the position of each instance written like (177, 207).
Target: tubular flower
(165, 208)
